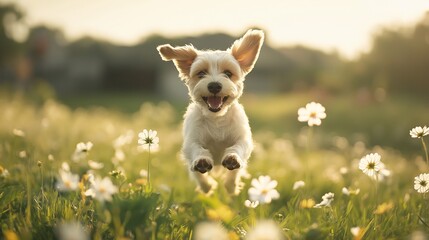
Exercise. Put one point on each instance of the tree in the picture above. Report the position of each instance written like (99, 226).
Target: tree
(9, 15)
(399, 60)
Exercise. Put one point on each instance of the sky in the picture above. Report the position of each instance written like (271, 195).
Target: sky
(345, 26)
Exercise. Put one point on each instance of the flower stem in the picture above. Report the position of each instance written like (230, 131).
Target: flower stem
(307, 159)
(426, 152)
(309, 138)
(149, 186)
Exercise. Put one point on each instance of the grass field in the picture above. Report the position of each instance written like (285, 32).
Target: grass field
(37, 139)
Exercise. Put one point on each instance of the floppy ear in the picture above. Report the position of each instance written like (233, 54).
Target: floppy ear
(246, 50)
(183, 57)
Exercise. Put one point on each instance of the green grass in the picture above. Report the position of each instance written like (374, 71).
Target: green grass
(31, 207)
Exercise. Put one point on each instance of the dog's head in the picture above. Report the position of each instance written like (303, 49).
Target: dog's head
(215, 78)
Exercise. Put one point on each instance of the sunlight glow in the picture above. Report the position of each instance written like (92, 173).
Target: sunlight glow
(331, 25)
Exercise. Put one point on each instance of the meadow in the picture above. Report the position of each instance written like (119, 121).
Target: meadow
(48, 173)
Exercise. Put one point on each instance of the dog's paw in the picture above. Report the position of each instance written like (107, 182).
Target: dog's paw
(202, 165)
(231, 161)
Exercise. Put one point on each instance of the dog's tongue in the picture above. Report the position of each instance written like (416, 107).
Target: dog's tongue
(214, 102)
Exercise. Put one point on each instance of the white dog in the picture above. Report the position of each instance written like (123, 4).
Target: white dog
(216, 129)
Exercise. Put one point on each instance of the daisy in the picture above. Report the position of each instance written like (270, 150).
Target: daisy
(72, 231)
(263, 190)
(18, 132)
(421, 183)
(118, 157)
(266, 229)
(3, 172)
(251, 204)
(143, 173)
(382, 173)
(370, 164)
(102, 189)
(210, 231)
(348, 192)
(84, 147)
(67, 181)
(65, 166)
(95, 165)
(357, 232)
(81, 151)
(123, 139)
(419, 132)
(298, 184)
(326, 200)
(148, 140)
(312, 114)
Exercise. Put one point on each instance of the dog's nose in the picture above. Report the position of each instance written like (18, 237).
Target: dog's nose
(214, 87)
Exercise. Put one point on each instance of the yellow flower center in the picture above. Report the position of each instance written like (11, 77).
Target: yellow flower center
(102, 189)
(313, 115)
(264, 191)
(423, 183)
(68, 184)
(371, 166)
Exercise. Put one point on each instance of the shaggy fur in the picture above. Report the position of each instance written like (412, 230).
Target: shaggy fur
(216, 129)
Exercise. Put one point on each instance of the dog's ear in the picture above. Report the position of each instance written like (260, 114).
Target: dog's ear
(246, 50)
(183, 57)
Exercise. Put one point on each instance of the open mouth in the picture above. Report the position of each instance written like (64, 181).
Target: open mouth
(215, 103)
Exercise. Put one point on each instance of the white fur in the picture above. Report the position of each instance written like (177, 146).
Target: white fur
(221, 136)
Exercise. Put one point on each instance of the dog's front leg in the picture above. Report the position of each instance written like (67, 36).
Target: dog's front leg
(200, 162)
(235, 160)
(237, 155)
(199, 158)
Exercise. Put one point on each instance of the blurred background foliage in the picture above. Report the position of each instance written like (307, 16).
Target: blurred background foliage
(376, 97)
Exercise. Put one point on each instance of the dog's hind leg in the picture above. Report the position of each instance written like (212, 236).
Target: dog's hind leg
(233, 183)
(206, 183)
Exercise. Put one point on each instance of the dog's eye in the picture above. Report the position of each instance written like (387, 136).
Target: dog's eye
(228, 73)
(201, 74)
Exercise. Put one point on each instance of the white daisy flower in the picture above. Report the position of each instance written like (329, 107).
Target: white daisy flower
(344, 170)
(95, 165)
(263, 190)
(312, 114)
(123, 139)
(251, 204)
(356, 231)
(118, 157)
(18, 132)
(81, 151)
(4, 173)
(419, 132)
(326, 200)
(65, 166)
(148, 140)
(348, 192)
(22, 154)
(143, 173)
(84, 147)
(421, 183)
(210, 231)
(67, 181)
(298, 184)
(382, 173)
(266, 229)
(102, 189)
(72, 231)
(370, 164)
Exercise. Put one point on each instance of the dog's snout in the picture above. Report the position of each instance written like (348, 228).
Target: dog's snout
(214, 87)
